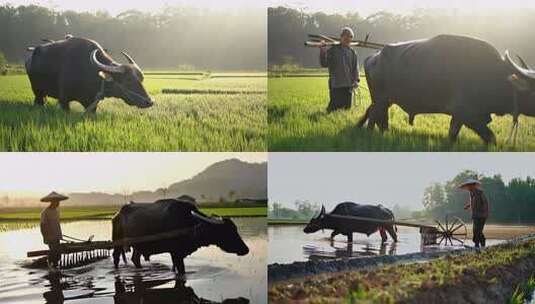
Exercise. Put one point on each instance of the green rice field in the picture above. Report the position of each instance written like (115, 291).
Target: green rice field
(107, 212)
(298, 121)
(201, 116)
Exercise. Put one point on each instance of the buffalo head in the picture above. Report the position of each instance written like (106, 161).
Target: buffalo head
(223, 233)
(523, 81)
(316, 223)
(127, 80)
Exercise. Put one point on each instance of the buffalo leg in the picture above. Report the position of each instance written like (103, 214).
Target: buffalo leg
(455, 128)
(483, 131)
(382, 231)
(136, 256)
(383, 117)
(333, 234)
(65, 105)
(64, 102)
(349, 237)
(392, 233)
(364, 118)
(372, 117)
(39, 100)
(378, 116)
(117, 256)
(178, 264)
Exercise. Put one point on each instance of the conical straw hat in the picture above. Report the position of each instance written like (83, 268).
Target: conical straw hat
(470, 181)
(54, 197)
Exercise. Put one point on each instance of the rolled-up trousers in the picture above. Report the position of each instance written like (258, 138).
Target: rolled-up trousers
(477, 231)
(340, 98)
(53, 254)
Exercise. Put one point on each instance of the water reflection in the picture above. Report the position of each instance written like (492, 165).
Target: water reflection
(289, 244)
(134, 290)
(140, 291)
(212, 275)
(349, 250)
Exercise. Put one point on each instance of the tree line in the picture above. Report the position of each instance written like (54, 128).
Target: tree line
(512, 202)
(171, 38)
(288, 29)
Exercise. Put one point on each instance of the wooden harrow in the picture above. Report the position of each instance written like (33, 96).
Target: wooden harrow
(452, 230)
(75, 254)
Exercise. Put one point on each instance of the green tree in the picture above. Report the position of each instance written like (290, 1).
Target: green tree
(3, 64)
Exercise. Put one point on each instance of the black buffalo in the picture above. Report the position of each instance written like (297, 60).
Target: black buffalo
(79, 69)
(137, 220)
(464, 77)
(348, 226)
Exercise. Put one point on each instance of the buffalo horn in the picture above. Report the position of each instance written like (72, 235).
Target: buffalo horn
(104, 67)
(130, 59)
(522, 62)
(210, 220)
(522, 71)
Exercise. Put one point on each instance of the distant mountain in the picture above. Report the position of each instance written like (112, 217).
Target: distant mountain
(227, 180)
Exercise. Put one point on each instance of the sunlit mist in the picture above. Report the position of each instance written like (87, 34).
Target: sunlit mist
(367, 7)
(117, 6)
(34, 174)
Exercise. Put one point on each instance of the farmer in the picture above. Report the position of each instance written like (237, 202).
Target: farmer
(479, 205)
(50, 227)
(343, 67)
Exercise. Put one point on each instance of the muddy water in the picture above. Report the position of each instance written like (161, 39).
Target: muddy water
(289, 244)
(211, 274)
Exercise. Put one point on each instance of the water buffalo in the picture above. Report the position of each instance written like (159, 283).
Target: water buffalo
(137, 220)
(348, 226)
(460, 76)
(79, 69)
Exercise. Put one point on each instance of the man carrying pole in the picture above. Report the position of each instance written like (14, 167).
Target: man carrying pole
(479, 205)
(50, 227)
(343, 65)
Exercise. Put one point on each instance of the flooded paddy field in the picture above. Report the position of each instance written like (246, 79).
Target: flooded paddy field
(212, 275)
(288, 244)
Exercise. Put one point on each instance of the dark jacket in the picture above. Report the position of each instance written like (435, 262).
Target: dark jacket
(479, 204)
(343, 66)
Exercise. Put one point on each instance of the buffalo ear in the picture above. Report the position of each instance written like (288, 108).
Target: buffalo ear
(210, 220)
(519, 83)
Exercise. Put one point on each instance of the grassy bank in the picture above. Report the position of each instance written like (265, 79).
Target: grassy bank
(177, 122)
(488, 277)
(107, 212)
(298, 122)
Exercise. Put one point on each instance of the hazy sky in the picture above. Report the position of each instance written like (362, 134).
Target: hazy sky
(32, 174)
(386, 178)
(117, 6)
(367, 7)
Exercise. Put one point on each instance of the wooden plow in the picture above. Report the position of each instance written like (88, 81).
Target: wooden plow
(75, 254)
(315, 40)
(452, 230)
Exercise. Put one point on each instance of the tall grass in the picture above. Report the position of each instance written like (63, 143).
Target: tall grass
(201, 122)
(298, 122)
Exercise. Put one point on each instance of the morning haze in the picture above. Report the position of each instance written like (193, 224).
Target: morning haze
(372, 178)
(172, 36)
(30, 175)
